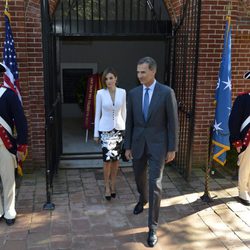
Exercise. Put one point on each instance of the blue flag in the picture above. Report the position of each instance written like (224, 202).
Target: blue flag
(223, 98)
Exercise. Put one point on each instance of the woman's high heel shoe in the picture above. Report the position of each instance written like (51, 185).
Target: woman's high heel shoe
(107, 196)
(113, 193)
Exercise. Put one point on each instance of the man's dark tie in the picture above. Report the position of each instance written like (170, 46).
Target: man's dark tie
(146, 104)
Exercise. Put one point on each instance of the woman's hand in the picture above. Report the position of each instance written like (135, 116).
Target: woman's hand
(96, 139)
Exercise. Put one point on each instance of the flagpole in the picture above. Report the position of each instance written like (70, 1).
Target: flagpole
(6, 9)
(6, 4)
(218, 132)
(229, 8)
(206, 197)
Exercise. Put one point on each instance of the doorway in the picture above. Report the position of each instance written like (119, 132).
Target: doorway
(74, 77)
(80, 58)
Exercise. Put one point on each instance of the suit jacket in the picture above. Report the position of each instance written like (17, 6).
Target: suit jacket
(108, 115)
(160, 132)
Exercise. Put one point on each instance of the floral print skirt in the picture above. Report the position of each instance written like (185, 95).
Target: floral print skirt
(111, 142)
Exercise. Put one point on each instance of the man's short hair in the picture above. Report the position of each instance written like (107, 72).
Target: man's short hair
(152, 65)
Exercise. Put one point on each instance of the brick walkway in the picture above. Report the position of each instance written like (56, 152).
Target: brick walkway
(83, 219)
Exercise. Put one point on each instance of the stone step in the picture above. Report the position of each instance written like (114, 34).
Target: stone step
(81, 156)
(87, 163)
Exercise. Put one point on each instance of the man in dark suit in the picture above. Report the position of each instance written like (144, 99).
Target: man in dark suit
(151, 138)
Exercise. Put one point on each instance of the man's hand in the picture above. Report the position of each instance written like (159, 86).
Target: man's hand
(128, 154)
(238, 149)
(170, 156)
(22, 151)
(20, 156)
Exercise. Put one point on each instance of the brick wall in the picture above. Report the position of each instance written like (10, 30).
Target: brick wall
(241, 48)
(26, 28)
(26, 25)
(213, 18)
(35, 80)
(211, 42)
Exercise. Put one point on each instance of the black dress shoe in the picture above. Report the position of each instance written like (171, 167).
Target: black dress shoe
(244, 202)
(152, 238)
(139, 207)
(113, 195)
(9, 222)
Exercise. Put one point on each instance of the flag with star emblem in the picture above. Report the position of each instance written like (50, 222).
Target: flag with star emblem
(11, 79)
(223, 98)
(10, 76)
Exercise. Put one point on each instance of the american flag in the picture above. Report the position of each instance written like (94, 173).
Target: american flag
(11, 79)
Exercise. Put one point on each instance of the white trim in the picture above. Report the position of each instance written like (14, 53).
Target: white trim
(92, 66)
(5, 125)
(245, 123)
(2, 121)
(2, 90)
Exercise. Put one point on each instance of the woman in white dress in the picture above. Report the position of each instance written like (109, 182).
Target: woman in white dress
(110, 118)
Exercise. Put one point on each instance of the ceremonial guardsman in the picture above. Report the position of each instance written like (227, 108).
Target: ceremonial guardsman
(239, 126)
(13, 148)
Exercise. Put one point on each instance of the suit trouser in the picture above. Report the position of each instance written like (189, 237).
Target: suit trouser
(7, 173)
(244, 170)
(155, 172)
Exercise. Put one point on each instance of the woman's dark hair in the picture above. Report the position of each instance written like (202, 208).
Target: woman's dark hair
(107, 71)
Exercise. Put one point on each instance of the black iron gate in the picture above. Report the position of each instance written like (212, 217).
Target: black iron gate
(52, 102)
(89, 18)
(141, 19)
(184, 79)
(111, 18)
